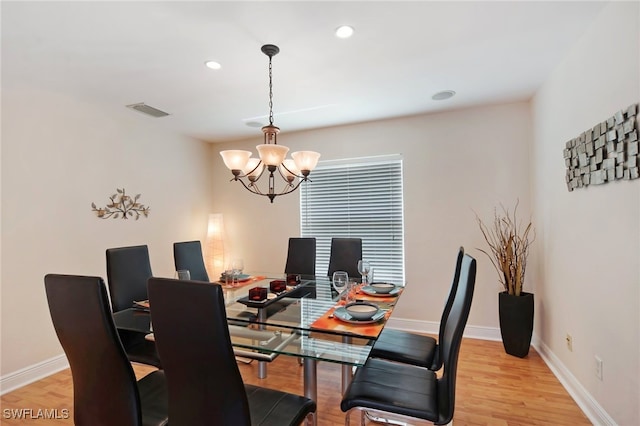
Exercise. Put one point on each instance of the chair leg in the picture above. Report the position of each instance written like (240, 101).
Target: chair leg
(311, 419)
(347, 417)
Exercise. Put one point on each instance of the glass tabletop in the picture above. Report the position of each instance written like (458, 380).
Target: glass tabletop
(300, 322)
(297, 322)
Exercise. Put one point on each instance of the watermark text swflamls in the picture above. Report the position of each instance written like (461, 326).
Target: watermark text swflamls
(35, 413)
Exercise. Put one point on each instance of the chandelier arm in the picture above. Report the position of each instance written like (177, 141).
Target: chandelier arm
(253, 170)
(256, 189)
(289, 188)
(287, 169)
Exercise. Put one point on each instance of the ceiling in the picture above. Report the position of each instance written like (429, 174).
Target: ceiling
(118, 53)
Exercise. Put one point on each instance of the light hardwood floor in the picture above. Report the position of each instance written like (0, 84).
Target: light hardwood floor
(492, 389)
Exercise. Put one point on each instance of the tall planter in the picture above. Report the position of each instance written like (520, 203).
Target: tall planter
(516, 322)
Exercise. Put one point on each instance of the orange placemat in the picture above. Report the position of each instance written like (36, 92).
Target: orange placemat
(360, 295)
(327, 322)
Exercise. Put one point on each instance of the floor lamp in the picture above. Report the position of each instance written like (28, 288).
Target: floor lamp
(214, 253)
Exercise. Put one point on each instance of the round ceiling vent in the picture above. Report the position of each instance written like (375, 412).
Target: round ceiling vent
(445, 94)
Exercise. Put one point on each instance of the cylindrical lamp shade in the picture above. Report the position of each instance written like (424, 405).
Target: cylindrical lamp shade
(235, 159)
(306, 160)
(253, 163)
(272, 155)
(291, 171)
(214, 251)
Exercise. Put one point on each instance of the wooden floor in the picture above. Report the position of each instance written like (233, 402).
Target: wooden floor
(492, 389)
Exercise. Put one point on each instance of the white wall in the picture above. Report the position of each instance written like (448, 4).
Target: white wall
(589, 239)
(454, 163)
(58, 156)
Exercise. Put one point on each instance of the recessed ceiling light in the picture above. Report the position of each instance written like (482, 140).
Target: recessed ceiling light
(445, 94)
(255, 124)
(213, 65)
(344, 31)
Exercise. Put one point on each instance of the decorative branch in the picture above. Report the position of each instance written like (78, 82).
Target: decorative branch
(509, 246)
(122, 206)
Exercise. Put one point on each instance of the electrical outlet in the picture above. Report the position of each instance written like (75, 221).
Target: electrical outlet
(569, 341)
(598, 367)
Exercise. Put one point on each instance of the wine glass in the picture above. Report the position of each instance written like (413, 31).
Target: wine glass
(363, 268)
(340, 282)
(237, 266)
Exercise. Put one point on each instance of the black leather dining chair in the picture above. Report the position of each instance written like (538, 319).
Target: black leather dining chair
(205, 385)
(344, 256)
(301, 256)
(399, 391)
(417, 349)
(105, 390)
(301, 260)
(128, 269)
(188, 255)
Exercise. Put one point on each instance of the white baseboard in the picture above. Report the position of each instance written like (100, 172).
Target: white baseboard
(431, 327)
(589, 406)
(33, 373)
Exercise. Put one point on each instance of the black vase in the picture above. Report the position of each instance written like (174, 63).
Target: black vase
(516, 322)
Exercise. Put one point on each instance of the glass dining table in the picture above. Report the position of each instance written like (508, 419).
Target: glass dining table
(305, 320)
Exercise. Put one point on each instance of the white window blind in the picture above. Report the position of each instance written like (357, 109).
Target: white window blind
(359, 198)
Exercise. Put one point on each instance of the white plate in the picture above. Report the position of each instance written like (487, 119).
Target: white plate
(342, 314)
(372, 291)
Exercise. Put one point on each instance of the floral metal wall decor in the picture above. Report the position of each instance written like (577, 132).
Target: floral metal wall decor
(121, 206)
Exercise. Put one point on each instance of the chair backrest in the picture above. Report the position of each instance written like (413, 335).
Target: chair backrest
(188, 255)
(452, 338)
(192, 337)
(104, 384)
(344, 256)
(301, 256)
(128, 269)
(447, 306)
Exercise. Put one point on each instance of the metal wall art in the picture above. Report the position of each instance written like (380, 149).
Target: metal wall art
(604, 153)
(121, 206)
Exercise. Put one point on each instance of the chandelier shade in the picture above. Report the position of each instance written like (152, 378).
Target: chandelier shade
(289, 170)
(235, 159)
(305, 160)
(253, 169)
(272, 156)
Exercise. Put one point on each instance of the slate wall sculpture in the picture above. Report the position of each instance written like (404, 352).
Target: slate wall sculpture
(605, 153)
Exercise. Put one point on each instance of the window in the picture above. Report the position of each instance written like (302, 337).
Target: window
(358, 198)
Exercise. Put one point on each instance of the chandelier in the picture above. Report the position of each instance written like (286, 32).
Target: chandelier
(272, 156)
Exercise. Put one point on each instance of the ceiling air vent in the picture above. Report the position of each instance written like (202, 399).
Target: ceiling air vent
(149, 110)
